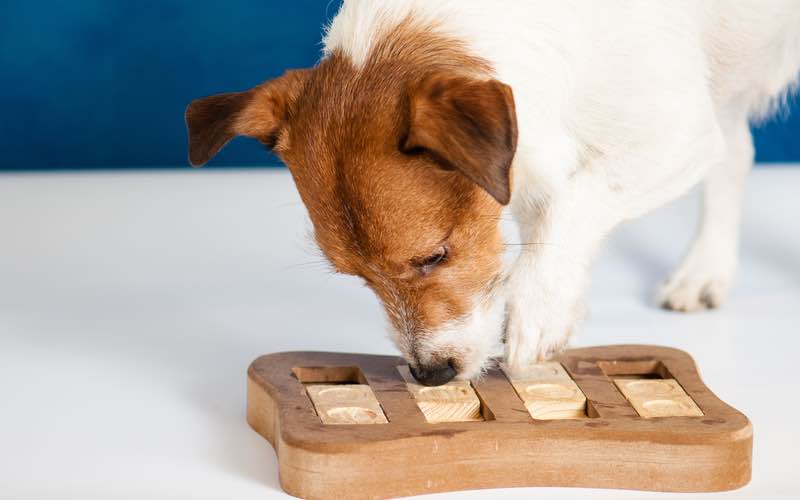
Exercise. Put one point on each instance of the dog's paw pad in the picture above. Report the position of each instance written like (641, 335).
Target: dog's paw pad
(693, 295)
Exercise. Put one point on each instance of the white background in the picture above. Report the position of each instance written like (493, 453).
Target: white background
(131, 305)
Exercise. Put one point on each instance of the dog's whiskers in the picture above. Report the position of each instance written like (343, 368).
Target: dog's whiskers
(321, 264)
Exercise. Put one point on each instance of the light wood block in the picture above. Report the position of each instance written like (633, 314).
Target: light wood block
(346, 404)
(548, 392)
(658, 398)
(454, 401)
(612, 448)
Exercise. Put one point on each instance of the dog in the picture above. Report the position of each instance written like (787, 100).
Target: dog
(425, 118)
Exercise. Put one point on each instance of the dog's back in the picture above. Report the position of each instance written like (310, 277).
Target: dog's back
(753, 49)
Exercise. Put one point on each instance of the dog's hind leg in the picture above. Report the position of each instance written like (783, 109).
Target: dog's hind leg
(703, 279)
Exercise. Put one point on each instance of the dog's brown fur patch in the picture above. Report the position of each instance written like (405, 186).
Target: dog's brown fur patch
(394, 160)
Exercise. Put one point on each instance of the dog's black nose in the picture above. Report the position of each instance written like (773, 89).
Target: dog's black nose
(438, 374)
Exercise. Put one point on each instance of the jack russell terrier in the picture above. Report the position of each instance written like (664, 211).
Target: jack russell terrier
(424, 118)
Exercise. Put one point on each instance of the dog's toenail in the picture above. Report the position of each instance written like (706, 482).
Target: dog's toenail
(708, 300)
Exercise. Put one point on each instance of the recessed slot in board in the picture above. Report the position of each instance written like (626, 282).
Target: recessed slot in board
(638, 369)
(329, 375)
(548, 392)
(340, 395)
(455, 401)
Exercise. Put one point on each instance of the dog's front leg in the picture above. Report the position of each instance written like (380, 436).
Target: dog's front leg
(545, 286)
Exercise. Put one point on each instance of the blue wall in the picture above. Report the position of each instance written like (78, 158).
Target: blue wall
(104, 83)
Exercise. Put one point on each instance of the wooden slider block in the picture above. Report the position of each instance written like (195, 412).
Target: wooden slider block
(346, 404)
(658, 398)
(549, 393)
(454, 401)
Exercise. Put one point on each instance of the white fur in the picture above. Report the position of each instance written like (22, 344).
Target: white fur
(464, 338)
(622, 106)
(467, 338)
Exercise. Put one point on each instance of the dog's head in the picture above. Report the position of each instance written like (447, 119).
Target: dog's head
(404, 176)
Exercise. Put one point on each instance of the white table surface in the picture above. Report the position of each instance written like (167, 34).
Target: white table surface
(131, 305)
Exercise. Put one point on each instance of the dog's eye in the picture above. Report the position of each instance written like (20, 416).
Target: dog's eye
(428, 263)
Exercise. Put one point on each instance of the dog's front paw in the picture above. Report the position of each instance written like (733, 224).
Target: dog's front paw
(700, 283)
(535, 333)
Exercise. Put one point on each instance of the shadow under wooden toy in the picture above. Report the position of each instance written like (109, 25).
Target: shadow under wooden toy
(629, 417)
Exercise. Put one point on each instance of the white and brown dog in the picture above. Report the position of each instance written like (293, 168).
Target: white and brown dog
(406, 141)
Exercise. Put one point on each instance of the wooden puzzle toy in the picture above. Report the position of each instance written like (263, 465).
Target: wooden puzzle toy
(632, 417)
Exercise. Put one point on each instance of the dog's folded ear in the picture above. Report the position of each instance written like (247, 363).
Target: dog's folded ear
(260, 113)
(466, 125)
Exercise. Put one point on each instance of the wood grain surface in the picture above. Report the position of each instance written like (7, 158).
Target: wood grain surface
(548, 392)
(454, 401)
(346, 404)
(658, 397)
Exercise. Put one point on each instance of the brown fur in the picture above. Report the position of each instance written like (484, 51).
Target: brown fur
(467, 125)
(394, 161)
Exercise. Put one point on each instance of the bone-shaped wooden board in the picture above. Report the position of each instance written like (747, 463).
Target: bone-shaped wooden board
(350, 425)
